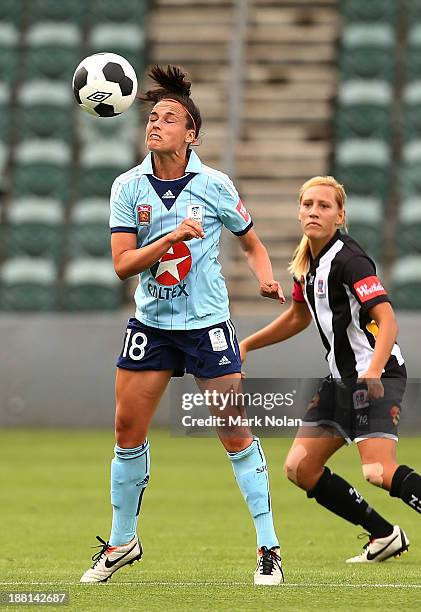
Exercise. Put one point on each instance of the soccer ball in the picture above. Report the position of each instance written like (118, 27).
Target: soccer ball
(105, 84)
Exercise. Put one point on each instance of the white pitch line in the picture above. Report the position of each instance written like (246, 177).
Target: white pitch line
(227, 584)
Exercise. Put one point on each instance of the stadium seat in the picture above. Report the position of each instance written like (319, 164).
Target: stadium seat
(11, 11)
(89, 232)
(5, 114)
(411, 110)
(3, 162)
(408, 236)
(43, 168)
(101, 163)
(363, 166)
(410, 175)
(133, 10)
(368, 51)
(53, 10)
(28, 284)
(365, 222)
(124, 127)
(54, 51)
(35, 228)
(413, 52)
(405, 289)
(45, 110)
(375, 11)
(9, 54)
(91, 284)
(413, 11)
(126, 39)
(364, 110)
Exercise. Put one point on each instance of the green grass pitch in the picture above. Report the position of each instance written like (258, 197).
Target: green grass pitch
(197, 535)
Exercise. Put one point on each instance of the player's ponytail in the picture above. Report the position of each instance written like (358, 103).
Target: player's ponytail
(300, 264)
(173, 84)
(172, 80)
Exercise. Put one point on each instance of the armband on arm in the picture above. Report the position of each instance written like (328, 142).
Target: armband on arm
(297, 292)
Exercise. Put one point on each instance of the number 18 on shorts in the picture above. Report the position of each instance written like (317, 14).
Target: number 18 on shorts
(209, 352)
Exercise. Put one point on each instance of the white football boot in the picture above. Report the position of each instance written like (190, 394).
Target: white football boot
(269, 567)
(111, 558)
(380, 549)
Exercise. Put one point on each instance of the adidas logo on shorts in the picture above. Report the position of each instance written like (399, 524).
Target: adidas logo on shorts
(224, 361)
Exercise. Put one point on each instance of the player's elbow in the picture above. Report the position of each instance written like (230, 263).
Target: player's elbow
(121, 271)
(121, 276)
(301, 322)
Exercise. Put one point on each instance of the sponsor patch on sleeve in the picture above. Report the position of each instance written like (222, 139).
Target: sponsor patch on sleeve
(369, 288)
(242, 210)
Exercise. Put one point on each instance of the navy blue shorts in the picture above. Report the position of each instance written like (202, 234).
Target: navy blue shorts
(206, 353)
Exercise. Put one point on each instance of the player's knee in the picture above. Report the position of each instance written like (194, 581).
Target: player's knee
(293, 462)
(127, 434)
(373, 473)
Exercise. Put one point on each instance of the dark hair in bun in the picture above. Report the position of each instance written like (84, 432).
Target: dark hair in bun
(173, 83)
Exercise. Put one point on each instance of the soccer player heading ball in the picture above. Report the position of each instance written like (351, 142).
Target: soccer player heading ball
(335, 283)
(166, 219)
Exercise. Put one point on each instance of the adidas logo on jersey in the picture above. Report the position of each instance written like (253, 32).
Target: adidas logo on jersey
(224, 361)
(168, 195)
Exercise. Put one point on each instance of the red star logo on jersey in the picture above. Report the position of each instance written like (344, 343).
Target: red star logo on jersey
(173, 266)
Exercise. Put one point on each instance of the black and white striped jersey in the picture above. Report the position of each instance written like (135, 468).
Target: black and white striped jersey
(340, 289)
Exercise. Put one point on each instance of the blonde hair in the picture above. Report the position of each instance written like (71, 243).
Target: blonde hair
(300, 263)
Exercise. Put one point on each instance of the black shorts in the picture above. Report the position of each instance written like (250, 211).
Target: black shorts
(209, 352)
(347, 408)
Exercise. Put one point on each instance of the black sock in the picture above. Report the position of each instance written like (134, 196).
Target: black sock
(338, 496)
(406, 484)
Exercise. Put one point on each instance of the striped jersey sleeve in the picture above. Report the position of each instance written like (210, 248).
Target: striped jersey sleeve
(122, 216)
(232, 212)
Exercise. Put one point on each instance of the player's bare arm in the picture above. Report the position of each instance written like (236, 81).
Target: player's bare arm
(129, 260)
(288, 324)
(259, 263)
(386, 334)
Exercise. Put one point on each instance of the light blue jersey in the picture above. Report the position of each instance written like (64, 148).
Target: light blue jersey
(185, 289)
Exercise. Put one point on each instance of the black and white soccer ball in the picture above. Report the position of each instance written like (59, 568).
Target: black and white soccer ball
(105, 84)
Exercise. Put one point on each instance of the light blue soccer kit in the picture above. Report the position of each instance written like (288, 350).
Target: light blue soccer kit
(186, 290)
(182, 316)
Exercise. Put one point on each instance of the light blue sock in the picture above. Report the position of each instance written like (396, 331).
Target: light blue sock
(129, 477)
(250, 471)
